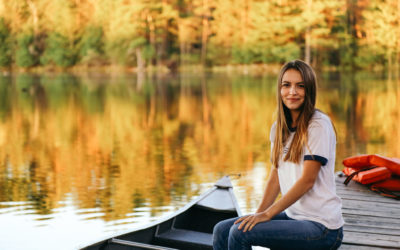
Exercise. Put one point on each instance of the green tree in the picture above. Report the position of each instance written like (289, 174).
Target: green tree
(91, 45)
(122, 22)
(59, 51)
(26, 51)
(347, 33)
(5, 45)
(382, 30)
(319, 19)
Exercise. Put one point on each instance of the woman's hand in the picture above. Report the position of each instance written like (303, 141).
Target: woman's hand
(249, 221)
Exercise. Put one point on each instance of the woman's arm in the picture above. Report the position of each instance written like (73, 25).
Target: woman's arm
(303, 184)
(271, 191)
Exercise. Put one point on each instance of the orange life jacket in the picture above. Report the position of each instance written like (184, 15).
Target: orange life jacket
(392, 184)
(389, 188)
(364, 161)
(377, 171)
(368, 176)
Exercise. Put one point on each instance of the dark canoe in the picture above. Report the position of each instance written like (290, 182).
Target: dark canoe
(189, 228)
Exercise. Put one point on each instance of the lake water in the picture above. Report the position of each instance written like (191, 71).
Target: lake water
(85, 157)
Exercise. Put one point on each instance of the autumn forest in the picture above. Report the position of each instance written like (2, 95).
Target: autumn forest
(116, 112)
(344, 34)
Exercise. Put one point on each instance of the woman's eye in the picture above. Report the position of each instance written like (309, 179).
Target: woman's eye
(301, 86)
(285, 84)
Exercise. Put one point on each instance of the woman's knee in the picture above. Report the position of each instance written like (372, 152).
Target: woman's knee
(222, 227)
(235, 233)
(221, 233)
(238, 239)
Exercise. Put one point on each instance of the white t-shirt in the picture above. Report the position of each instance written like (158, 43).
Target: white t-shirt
(320, 203)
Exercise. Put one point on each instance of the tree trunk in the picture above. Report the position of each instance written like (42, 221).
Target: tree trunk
(78, 13)
(35, 17)
(182, 52)
(162, 46)
(204, 42)
(140, 60)
(182, 41)
(307, 52)
(140, 69)
(204, 36)
(354, 16)
(390, 63)
(245, 22)
(152, 35)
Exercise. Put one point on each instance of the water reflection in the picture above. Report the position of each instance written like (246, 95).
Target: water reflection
(112, 152)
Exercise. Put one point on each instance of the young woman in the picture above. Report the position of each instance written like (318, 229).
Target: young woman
(303, 147)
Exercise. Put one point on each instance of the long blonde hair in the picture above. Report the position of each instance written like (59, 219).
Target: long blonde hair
(284, 119)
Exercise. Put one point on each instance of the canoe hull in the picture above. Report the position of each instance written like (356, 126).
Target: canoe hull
(189, 228)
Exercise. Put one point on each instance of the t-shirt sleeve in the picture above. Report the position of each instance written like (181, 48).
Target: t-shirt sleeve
(317, 147)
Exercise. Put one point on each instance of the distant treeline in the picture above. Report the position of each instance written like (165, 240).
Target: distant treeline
(349, 34)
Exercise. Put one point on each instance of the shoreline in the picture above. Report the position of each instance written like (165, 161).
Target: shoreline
(241, 69)
(257, 69)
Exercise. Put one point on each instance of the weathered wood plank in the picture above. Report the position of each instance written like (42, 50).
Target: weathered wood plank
(359, 210)
(356, 247)
(347, 211)
(368, 221)
(371, 220)
(356, 187)
(363, 194)
(374, 240)
(368, 197)
(371, 230)
(370, 205)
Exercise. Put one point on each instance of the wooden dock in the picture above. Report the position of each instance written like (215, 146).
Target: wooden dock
(371, 220)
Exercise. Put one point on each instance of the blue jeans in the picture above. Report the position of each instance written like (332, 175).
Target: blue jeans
(281, 232)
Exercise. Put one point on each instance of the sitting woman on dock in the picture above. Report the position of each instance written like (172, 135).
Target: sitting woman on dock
(303, 142)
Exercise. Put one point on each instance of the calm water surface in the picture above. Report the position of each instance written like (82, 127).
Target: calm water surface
(85, 157)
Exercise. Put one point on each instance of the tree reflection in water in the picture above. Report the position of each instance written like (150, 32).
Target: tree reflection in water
(117, 145)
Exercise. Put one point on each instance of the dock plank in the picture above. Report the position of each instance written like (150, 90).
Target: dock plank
(355, 247)
(371, 220)
(371, 230)
(374, 240)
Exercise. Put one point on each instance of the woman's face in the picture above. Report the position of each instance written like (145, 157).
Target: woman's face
(292, 90)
